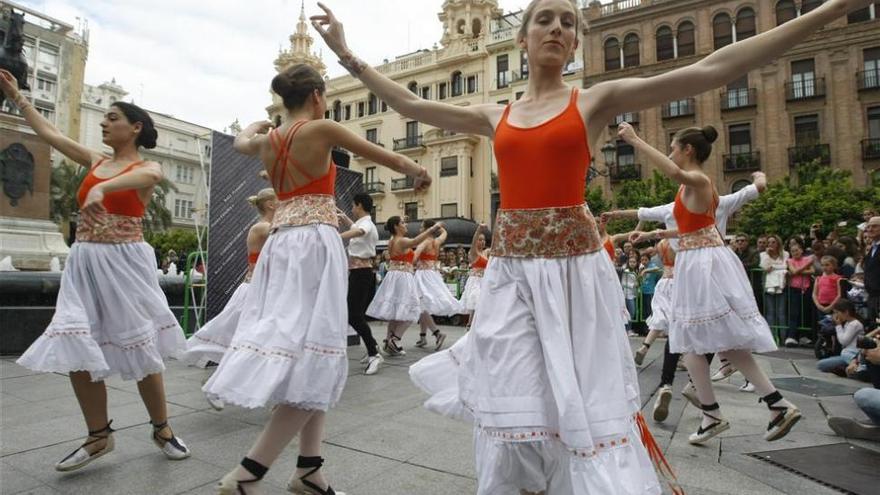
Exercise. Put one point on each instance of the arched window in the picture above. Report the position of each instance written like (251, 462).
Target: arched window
(808, 5)
(665, 44)
(413, 87)
(460, 25)
(686, 41)
(722, 28)
(337, 110)
(612, 54)
(476, 27)
(372, 104)
(785, 11)
(745, 24)
(631, 50)
(739, 184)
(457, 86)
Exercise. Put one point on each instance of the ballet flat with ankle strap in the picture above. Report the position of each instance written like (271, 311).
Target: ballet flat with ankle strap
(718, 426)
(173, 447)
(80, 457)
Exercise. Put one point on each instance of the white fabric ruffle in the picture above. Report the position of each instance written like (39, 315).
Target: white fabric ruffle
(434, 296)
(471, 295)
(396, 299)
(713, 306)
(290, 344)
(213, 339)
(661, 305)
(111, 317)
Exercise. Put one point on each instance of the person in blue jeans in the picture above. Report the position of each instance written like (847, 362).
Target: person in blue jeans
(848, 331)
(652, 270)
(868, 400)
(629, 280)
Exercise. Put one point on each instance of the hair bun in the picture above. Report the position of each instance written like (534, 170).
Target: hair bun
(252, 200)
(709, 133)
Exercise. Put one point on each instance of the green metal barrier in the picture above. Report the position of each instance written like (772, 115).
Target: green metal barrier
(189, 293)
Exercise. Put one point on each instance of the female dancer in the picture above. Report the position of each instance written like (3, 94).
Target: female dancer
(111, 317)
(212, 340)
(713, 307)
(478, 257)
(550, 288)
(397, 299)
(434, 296)
(661, 303)
(289, 347)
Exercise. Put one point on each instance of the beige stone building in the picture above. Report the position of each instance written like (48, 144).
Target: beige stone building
(477, 61)
(821, 100)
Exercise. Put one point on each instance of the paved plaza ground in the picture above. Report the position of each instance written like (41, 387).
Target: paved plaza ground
(379, 440)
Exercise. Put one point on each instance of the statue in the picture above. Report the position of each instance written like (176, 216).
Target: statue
(11, 54)
(17, 172)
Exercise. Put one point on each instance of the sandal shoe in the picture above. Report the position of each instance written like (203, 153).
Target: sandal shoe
(299, 485)
(81, 457)
(173, 447)
(724, 371)
(422, 342)
(439, 339)
(641, 353)
(782, 423)
(231, 485)
(718, 426)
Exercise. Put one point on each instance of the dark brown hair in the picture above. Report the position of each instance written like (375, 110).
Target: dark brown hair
(296, 83)
(134, 114)
(700, 139)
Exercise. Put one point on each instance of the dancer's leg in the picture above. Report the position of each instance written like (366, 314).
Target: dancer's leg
(284, 424)
(359, 290)
(652, 336)
(152, 390)
(745, 362)
(698, 369)
(310, 446)
(670, 362)
(92, 398)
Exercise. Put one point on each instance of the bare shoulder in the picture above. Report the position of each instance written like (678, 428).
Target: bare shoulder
(260, 228)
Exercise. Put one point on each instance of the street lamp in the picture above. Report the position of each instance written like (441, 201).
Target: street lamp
(609, 151)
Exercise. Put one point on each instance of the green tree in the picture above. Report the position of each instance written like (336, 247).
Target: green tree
(653, 191)
(180, 240)
(822, 195)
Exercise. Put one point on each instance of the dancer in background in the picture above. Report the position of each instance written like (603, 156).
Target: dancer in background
(478, 257)
(713, 307)
(397, 299)
(544, 361)
(362, 237)
(434, 296)
(111, 316)
(289, 349)
(212, 340)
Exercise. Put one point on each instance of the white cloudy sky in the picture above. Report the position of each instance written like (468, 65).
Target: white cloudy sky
(210, 62)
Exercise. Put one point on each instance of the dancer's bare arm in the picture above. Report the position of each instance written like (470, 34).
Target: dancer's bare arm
(694, 179)
(405, 243)
(257, 236)
(250, 140)
(474, 252)
(717, 69)
(45, 129)
(476, 119)
(143, 177)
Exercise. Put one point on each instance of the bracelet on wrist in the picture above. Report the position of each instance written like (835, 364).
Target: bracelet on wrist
(352, 64)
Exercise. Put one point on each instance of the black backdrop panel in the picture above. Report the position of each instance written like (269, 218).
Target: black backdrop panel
(234, 177)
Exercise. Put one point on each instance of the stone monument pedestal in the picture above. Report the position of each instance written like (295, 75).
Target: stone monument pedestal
(27, 234)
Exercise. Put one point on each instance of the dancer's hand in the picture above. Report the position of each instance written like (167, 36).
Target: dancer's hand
(607, 216)
(260, 127)
(8, 84)
(626, 132)
(483, 227)
(422, 180)
(334, 34)
(759, 179)
(94, 202)
(641, 237)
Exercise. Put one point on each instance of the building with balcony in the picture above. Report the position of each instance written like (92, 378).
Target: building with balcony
(818, 103)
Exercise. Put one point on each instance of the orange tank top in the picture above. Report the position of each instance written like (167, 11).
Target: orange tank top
(253, 257)
(126, 202)
(480, 263)
(406, 257)
(688, 221)
(325, 184)
(609, 248)
(428, 257)
(543, 166)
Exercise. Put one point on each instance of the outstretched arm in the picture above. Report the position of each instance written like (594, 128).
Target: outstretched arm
(668, 167)
(471, 120)
(406, 243)
(474, 253)
(147, 175)
(45, 129)
(719, 68)
(249, 140)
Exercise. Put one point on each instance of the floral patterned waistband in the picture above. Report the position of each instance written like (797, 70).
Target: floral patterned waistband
(305, 210)
(355, 263)
(400, 266)
(703, 238)
(109, 228)
(425, 265)
(545, 233)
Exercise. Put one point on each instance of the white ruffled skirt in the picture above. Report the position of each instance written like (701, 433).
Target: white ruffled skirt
(290, 344)
(396, 299)
(547, 376)
(471, 295)
(111, 316)
(434, 296)
(213, 339)
(661, 306)
(713, 305)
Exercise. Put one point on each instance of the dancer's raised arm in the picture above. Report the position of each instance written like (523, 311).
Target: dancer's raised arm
(45, 129)
(472, 120)
(687, 177)
(717, 69)
(474, 251)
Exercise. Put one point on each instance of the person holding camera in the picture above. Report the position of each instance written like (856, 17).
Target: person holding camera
(867, 399)
(848, 330)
